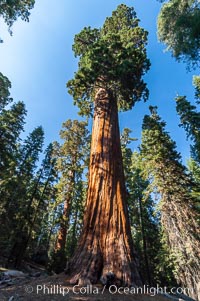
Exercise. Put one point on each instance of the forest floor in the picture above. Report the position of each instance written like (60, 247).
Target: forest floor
(51, 288)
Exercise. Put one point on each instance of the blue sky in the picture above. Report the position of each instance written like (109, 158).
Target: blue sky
(38, 60)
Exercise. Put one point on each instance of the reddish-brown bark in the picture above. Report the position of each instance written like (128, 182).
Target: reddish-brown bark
(62, 233)
(105, 245)
(64, 223)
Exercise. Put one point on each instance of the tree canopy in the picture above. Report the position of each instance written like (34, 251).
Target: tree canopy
(11, 10)
(113, 57)
(179, 29)
(179, 215)
(5, 85)
(190, 121)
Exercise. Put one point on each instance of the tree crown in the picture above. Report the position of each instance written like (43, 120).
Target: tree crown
(11, 10)
(5, 86)
(179, 29)
(113, 57)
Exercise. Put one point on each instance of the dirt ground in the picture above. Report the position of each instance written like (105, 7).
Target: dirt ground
(53, 287)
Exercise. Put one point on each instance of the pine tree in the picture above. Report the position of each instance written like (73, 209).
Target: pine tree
(42, 200)
(190, 121)
(12, 118)
(144, 219)
(76, 216)
(112, 61)
(11, 126)
(22, 195)
(24, 191)
(178, 214)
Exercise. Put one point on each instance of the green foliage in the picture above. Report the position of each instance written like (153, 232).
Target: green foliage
(5, 85)
(161, 159)
(27, 193)
(30, 150)
(194, 169)
(196, 82)
(165, 268)
(43, 202)
(179, 216)
(158, 148)
(11, 10)
(19, 183)
(179, 29)
(23, 182)
(71, 154)
(11, 126)
(71, 165)
(112, 57)
(145, 221)
(190, 121)
(20, 187)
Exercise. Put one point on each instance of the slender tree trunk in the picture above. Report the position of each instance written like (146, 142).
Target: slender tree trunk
(146, 260)
(105, 247)
(50, 233)
(74, 234)
(64, 224)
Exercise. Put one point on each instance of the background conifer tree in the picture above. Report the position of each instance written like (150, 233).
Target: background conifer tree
(10, 11)
(179, 29)
(155, 267)
(178, 213)
(71, 157)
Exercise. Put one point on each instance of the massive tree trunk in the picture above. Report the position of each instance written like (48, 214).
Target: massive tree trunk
(105, 247)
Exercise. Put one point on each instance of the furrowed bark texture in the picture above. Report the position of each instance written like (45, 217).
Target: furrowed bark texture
(105, 247)
(182, 232)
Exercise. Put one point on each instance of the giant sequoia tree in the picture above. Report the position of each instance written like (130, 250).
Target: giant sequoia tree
(112, 61)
